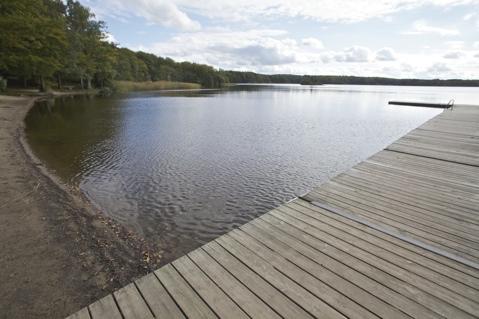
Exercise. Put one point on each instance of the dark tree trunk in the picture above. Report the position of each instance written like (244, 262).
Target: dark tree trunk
(42, 84)
(81, 82)
(25, 82)
(88, 83)
(59, 81)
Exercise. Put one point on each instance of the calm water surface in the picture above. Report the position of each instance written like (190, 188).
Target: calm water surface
(183, 168)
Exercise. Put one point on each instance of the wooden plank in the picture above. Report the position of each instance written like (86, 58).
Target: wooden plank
(405, 196)
(423, 291)
(390, 289)
(418, 225)
(131, 303)
(413, 263)
(260, 287)
(294, 291)
(459, 146)
(306, 273)
(465, 179)
(272, 240)
(422, 104)
(449, 188)
(357, 179)
(82, 314)
(455, 129)
(457, 226)
(426, 164)
(404, 236)
(435, 153)
(157, 298)
(442, 148)
(409, 253)
(354, 206)
(443, 184)
(445, 136)
(375, 181)
(452, 121)
(465, 196)
(415, 204)
(186, 298)
(430, 201)
(442, 244)
(105, 308)
(221, 304)
(242, 296)
(394, 157)
(448, 123)
(374, 255)
(456, 175)
(457, 119)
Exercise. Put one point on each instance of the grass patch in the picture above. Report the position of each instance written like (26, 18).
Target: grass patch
(128, 86)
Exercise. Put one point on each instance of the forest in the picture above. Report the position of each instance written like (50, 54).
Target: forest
(53, 43)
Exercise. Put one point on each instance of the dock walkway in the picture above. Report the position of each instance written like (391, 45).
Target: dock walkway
(396, 236)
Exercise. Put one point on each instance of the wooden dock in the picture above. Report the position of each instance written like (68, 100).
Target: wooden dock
(448, 105)
(397, 236)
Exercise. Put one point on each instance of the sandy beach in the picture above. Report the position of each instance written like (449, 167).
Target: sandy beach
(58, 253)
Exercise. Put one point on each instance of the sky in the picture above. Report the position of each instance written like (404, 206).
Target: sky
(392, 38)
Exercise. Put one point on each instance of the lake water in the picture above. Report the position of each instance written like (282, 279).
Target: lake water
(182, 168)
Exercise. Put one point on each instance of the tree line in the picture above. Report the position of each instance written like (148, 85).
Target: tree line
(52, 43)
(359, 80)
(251, 77)
(55, 42)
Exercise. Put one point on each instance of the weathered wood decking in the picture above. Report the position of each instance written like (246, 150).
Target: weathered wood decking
(397, 236)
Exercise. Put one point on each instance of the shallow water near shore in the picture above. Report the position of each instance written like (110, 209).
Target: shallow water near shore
(182, 168)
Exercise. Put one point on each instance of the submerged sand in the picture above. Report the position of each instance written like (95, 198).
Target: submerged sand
(57, 253)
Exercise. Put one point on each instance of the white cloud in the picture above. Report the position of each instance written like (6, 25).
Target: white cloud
(385, 54)
(469, 16)
(473, 17)
(454, 45)
(353, 54)
(160, 12)
(388, 19)
(313, 43)
(438, 69)
(178, 13)
(231, 34)
(453, 55)
(476, 55)
(428, 67)
(108, 37)
(259, 54)
(323, 10)
(275, 51)
(169, 15)
(421, 27)
(232, 49)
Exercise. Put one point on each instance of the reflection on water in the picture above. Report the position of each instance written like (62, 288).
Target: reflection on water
(185, 167)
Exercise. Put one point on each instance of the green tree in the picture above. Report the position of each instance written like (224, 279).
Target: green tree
(85, 43)
(106, 59)
(32, 38)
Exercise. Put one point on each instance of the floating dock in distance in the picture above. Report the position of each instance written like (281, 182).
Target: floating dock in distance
(396, 236)
(424, 104)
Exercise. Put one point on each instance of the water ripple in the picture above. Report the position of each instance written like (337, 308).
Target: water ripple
(183, 170)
